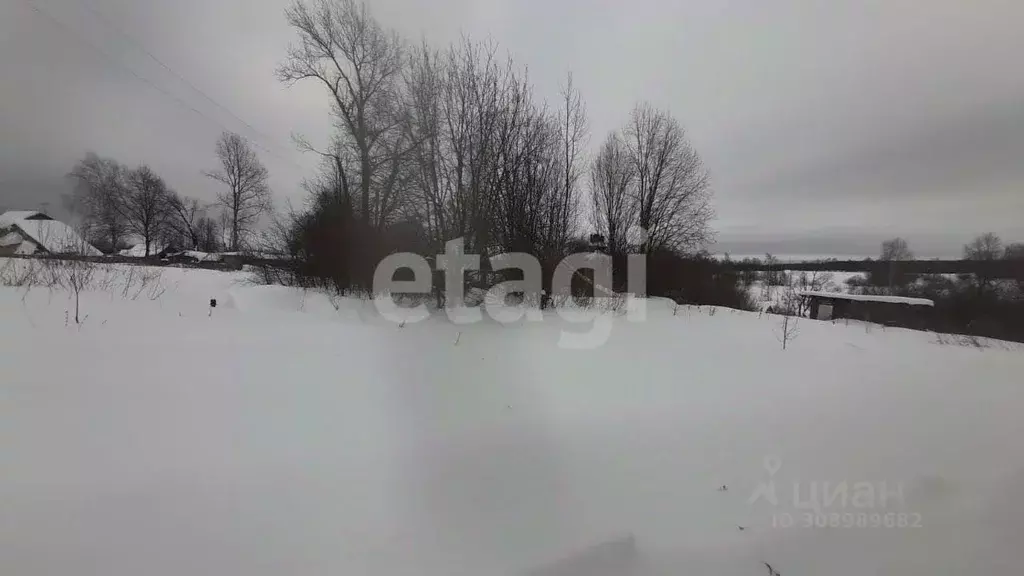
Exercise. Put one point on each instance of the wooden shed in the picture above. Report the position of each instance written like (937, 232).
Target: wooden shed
(888, 310)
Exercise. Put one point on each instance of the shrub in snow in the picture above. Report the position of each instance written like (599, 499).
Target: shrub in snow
(787, 330)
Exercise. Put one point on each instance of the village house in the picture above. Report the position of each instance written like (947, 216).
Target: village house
(25, 232)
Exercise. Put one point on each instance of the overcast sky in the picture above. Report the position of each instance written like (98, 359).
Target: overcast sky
(827, 126)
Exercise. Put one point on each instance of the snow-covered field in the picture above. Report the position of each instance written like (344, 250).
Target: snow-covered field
(827, 281)
(290, 433)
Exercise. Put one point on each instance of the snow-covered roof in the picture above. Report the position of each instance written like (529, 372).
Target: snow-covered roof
(10, 239)
(869, 298)
(11, 217)
(56, 237)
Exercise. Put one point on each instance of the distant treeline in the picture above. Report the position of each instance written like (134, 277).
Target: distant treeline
(226, 263)
(1011, 269)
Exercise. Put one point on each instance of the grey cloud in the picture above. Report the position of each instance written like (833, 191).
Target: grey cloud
(954, 156)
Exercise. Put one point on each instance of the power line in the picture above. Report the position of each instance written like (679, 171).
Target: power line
(110, 24)
(49, 16)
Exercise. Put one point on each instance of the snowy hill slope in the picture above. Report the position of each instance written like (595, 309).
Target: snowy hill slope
(292, 433)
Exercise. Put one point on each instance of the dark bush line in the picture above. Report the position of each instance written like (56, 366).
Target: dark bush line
(332, 249)
(229, 264)
(989, 268)
(696, 280)
(966, 305)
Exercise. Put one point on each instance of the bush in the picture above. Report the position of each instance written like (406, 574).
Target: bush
(962, 307)
(330, 248)
(696, 280)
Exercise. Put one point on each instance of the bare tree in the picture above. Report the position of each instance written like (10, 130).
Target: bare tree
(248, 195)
(611, 181)
(223, 228)
(432, 185)
(489, 161)
(208, 234)
(75, 275)
(672, 187)
(100, 186)
(896, 249)
(527, 174)
(346, 50)
(775, 275)
(987, 246)
(573, 137)
(815, 281)
(185, 215)
(478, 92)
(78, 276)
(893, 251)
(145, 205)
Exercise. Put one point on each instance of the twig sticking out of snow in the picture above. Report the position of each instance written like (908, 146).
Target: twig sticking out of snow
(788, 330)
(772, 571)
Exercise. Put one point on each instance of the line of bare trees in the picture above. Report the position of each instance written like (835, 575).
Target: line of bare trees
(116, 201)
(985, 300)
(436, 144)
(984, 247)
(987, 247)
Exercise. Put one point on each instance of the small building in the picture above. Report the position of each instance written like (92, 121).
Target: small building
(27, 232)
(233, 260)
(888, 310)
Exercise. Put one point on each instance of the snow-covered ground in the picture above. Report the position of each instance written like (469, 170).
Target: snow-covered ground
(292, 433)
(139, 250)
(793, 257)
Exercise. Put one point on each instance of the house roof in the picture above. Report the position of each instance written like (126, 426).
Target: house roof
(9, 218)
(868, 298)
(10, 239)
(57, 237)
(53, 235)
